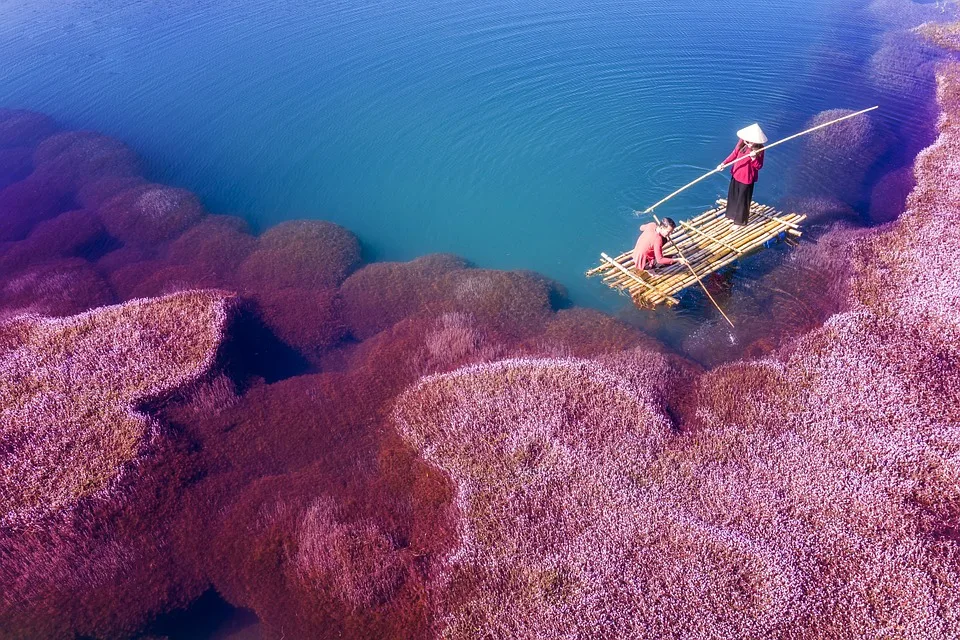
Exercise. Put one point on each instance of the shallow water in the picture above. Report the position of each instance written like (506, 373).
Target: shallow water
(518, 135)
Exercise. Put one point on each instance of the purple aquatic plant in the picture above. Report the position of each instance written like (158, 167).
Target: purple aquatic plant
(304, 254)
(56, 288)
(150, 214)
(15, 165)
(835, 160)
(78, 452)
(580, 510)
(23, 204)
(75, 158)
(20, 128)
(381, 294)
(889, 196)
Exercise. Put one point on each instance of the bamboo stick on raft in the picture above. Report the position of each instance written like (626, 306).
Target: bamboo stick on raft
(637, 278)
(708, 237)
(699, 250)
(693, 271)
(716, 265)
(716, 261)
(707, 254)
(769, 228)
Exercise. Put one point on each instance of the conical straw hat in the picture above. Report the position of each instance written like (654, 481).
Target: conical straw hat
(753, 134)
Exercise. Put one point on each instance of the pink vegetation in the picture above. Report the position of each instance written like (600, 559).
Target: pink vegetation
(835, 160)
(56, 288)
(79, 452)
(381, 294)
(76, 158)
(66, 235)
(150, 214)
(314, 568)
(27, 202)
(904, 65)
(515, 303)
(218, 243)
(305, 254)
(582, 509)
(889, 196)
(24, 128)
(906, 272)
(305, 319)
(15, 164)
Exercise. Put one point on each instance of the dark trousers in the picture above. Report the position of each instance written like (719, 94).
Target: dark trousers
(739, 197)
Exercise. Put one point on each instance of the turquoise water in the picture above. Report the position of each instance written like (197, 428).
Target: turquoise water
(516, 134)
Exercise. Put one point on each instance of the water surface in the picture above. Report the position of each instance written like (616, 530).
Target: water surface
(516, 134)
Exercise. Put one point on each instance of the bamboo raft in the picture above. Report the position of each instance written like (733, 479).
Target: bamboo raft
(709, 241)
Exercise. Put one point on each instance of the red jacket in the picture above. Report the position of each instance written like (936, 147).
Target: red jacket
(649, 247)
(745, 171)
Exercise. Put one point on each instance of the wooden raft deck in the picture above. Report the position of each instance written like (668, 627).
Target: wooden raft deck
(709, 241)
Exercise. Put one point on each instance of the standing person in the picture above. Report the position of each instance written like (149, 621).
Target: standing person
(649, 248)
(744, 173)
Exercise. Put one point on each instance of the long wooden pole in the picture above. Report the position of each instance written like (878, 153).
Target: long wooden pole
(769, 146)
(699, 281)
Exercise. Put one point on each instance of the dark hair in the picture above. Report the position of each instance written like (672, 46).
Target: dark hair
(669, 222)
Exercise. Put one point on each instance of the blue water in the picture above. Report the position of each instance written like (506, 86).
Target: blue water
(518, 134)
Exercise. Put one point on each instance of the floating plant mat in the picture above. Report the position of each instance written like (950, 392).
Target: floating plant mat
(709, 241)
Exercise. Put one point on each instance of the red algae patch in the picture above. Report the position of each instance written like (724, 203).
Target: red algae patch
(64, 236)
(307, 320)
(305, 254)
(69, 422)
(836, 159)
(381, 294)
(909, 271)
(84, 156)
(796, 506)
(219, 243)
(97, 192)
(889, 195)
(25, 203)
(24, 128)
(150, 214)
(15, 165)
(584, 332)
(55, 288)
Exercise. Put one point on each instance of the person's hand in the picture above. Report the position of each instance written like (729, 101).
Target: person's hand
(753, 155)
(720, 167)
(682, 261)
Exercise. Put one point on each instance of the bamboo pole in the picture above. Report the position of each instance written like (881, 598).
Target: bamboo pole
(704, 257)
(635, 277)
(714, 261)
(730, 322)
(767, 147)
(709, 237)
(770, 228)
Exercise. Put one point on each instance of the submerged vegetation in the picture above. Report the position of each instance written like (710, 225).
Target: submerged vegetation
(426, 449)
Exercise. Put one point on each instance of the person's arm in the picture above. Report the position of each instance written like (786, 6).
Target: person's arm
(757, 160)
(733, 155)
(658, 253)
